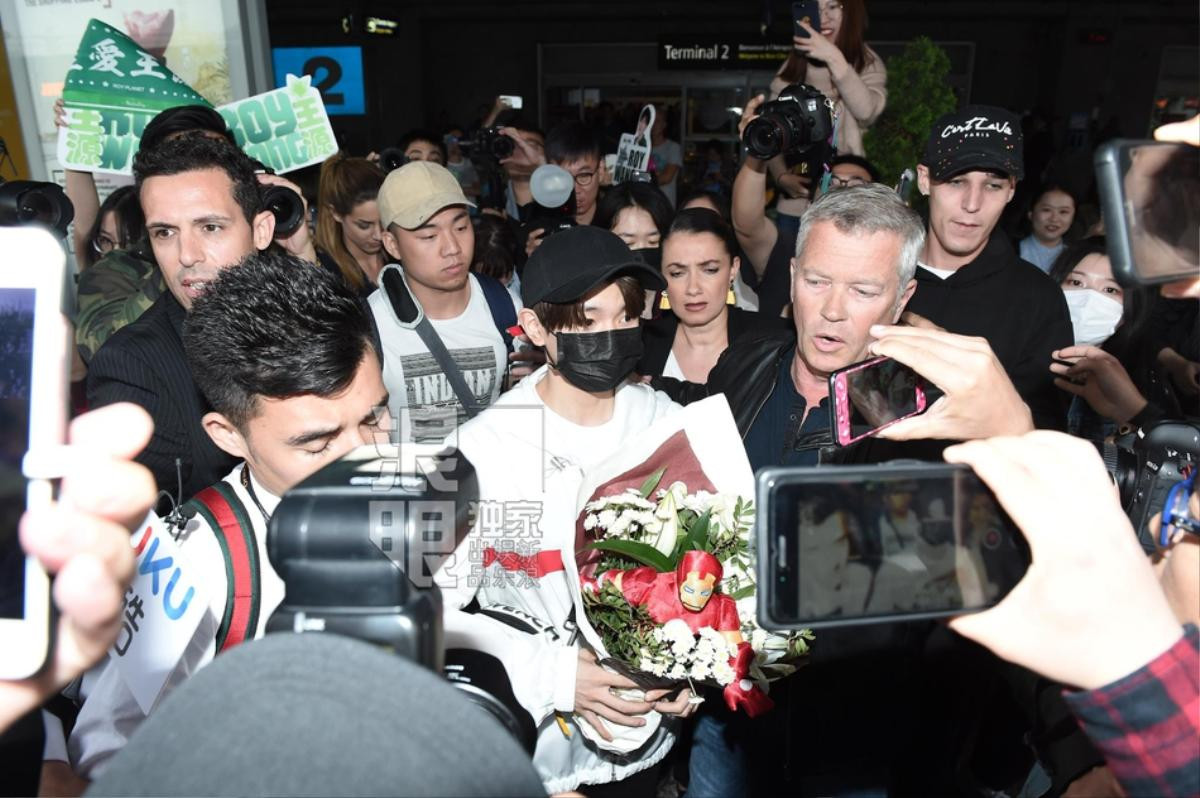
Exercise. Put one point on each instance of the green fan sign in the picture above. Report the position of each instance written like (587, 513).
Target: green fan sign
(113, 89)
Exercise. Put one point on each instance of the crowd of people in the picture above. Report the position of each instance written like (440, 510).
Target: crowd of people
(435, 301)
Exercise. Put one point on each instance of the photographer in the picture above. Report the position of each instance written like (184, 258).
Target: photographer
(573, 146)
(285, 354)
(837, 62)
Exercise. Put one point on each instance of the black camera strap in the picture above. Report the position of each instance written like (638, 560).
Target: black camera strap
(454, 375)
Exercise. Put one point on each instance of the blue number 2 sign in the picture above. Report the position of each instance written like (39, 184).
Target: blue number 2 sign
(337, 73)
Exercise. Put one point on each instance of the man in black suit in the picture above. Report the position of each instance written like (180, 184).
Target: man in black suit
(203, 214)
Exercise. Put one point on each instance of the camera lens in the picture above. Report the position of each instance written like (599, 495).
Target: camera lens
(391, 158)
(766, 137)
(25, 202)
(502, 147)
(287, 207)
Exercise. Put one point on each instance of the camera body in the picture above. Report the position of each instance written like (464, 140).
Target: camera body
(792, 124)
(357, 545)
(488, 144)
(1145, 464)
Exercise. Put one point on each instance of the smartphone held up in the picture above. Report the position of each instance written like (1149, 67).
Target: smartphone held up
(846, 545)
(871, 396)
(33, 405)
(808, 12)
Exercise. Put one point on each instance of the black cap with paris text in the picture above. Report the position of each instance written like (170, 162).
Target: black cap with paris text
(569, 264)
(976, 138)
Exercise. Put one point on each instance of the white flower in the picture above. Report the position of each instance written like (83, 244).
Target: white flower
(677, 629)
(590, 521)
(659, 669)
(723, 673)
(700, 671)
(681, 648)
(668, 513)
(677, 672)
(607, 517)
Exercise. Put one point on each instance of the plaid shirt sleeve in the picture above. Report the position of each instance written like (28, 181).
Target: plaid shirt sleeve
(1147, 724)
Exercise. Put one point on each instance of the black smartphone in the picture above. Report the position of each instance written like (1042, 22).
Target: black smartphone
(872, 395)
(1150, 198)
(808, 12)
(846, 545)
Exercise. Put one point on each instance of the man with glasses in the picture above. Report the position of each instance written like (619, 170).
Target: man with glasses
(573, 146)
(848, 171)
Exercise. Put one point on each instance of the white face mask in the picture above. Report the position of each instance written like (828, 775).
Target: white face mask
(1093, 315)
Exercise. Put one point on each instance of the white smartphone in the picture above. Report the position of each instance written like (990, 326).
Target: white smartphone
(513, 101)
(33, 415)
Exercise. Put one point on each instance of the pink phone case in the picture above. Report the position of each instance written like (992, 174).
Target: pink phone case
(841, 404)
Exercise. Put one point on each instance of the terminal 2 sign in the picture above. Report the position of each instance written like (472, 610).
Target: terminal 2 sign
(720, 53)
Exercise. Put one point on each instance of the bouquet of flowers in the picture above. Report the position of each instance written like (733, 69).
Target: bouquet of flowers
(666, 589)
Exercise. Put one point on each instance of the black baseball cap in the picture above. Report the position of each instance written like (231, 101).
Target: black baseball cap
(569, 264)
(977, 138)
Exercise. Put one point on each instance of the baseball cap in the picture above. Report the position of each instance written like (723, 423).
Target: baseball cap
(569, 264)
(415, 192)
(979, 137)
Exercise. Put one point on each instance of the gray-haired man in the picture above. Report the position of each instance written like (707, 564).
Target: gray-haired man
(856, 253)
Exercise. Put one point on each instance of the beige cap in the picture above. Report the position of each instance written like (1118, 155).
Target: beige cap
(416, 191)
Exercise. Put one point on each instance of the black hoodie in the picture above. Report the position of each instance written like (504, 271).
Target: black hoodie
(1017, 308)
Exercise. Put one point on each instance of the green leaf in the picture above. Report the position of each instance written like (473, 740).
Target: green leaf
(651, 483)
(698, 534)
(642, 552)
(745, 592)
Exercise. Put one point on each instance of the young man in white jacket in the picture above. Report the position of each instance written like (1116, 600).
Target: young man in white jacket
(285, 355)
(505, 590)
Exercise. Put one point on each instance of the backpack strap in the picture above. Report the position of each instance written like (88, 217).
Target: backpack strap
(230, 523)
(504, 315)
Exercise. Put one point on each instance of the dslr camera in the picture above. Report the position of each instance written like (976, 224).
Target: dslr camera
(488, 144)
(357, 545)
(795, 122)
(1145, 464)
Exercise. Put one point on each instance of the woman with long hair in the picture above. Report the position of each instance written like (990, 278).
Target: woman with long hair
(700, 264)
(348, 233)
(836, 61)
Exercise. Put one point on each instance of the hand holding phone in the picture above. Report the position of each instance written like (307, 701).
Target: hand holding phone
(84, 540)
(851, 545)
(808, 12)
(871, 396)
(1148, 191)
(978, 399)
(1091, 575)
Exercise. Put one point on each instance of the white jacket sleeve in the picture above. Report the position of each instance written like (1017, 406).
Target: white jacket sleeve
(111, 714)
(542, 671)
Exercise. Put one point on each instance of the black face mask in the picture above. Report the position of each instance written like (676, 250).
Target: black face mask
(598, 361)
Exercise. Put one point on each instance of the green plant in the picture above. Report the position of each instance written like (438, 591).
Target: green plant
(918, 94)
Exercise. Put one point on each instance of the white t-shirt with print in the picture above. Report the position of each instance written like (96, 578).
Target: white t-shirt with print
(423, 403)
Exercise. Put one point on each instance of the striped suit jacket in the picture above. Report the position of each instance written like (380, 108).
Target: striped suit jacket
(144, 363)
